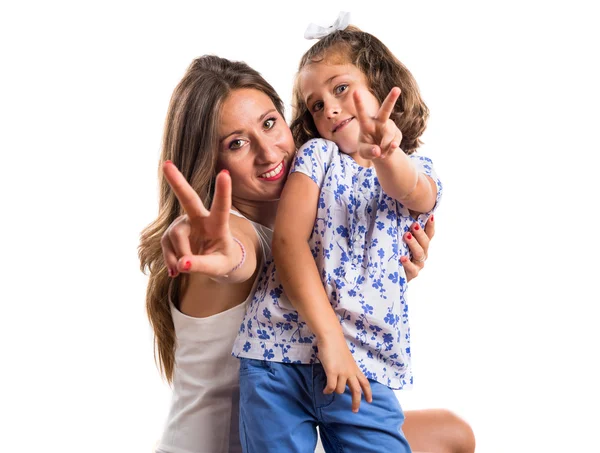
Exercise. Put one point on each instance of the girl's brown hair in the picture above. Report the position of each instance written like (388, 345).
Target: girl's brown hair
(383, 72)
(190, 141)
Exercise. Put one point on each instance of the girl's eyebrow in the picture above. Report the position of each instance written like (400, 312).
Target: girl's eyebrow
(239, 131)
(324, 83)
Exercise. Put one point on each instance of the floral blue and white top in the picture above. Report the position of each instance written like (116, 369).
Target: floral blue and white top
(357, 244)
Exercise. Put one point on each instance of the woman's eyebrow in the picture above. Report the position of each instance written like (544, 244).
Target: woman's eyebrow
(268, 112)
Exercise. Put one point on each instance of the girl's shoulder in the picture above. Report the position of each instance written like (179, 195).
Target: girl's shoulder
(318, 145)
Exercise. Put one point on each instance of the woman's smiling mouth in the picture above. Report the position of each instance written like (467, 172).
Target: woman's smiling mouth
(273, 174)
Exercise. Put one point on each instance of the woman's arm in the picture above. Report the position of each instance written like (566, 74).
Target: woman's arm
(299, 275)
(203, 246)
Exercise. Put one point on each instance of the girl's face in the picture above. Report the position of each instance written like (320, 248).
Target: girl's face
(327, 91)
(255, 146)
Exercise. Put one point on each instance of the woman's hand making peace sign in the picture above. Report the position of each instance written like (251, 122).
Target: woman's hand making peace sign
(201, 240)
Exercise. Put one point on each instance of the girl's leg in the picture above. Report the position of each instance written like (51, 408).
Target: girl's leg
(438, 431)
(377, 427)
(276, 411)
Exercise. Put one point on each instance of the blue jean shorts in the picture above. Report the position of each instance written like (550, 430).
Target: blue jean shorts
(281, 406)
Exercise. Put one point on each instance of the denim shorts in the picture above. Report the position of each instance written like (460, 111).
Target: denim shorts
(281, 406)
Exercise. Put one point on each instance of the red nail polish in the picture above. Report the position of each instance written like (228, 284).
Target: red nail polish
(431, 218)
(408, 236)
(416, 227)
(170, 271)
(187, 265)
(225, 171)
(403, 259)
(168, 162)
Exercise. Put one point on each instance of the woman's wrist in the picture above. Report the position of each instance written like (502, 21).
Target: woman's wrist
(242, 259)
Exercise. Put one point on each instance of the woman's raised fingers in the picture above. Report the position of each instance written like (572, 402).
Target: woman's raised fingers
(221, 204)
(187, 196)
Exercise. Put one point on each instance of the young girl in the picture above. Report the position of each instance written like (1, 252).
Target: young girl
(354, 190)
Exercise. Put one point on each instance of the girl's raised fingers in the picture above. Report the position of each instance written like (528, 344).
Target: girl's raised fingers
(387, 107)
(361, 113)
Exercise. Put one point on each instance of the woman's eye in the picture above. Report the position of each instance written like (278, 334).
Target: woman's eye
(340, 89)
(317, 106)
(236, 144)
(270, 123)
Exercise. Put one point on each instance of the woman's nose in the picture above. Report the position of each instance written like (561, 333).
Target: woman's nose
(267, 150)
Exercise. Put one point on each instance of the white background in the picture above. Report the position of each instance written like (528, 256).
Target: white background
(504, 317)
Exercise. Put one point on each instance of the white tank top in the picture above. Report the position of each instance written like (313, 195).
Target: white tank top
(205, 402)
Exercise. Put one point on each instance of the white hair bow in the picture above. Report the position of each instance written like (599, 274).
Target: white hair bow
(314, 31)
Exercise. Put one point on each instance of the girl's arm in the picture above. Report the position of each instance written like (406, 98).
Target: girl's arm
(379, 141)
(302, 284)
(294, 260)
(401, 180)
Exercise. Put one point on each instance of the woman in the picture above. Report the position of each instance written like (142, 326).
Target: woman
(226, 124)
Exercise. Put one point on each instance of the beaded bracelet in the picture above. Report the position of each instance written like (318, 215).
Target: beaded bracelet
(238, 265)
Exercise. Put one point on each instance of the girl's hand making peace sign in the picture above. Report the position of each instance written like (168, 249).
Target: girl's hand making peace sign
(379, 135)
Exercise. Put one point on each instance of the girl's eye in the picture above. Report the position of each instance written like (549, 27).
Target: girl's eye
(270, 123)
(340, 89)
(317, 106)
(236, 144)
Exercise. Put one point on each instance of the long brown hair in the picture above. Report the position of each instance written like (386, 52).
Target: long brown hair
(383, 72)
(190, 141)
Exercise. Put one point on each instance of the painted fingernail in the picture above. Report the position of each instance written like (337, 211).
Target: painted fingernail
(225, 171)
(403, 259)
(187, 265)
(408, 236)
(417, 227)
(170, 271)
(168, 162)
(431, 218)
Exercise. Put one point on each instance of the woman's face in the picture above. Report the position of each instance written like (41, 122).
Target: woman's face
(255, 146)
